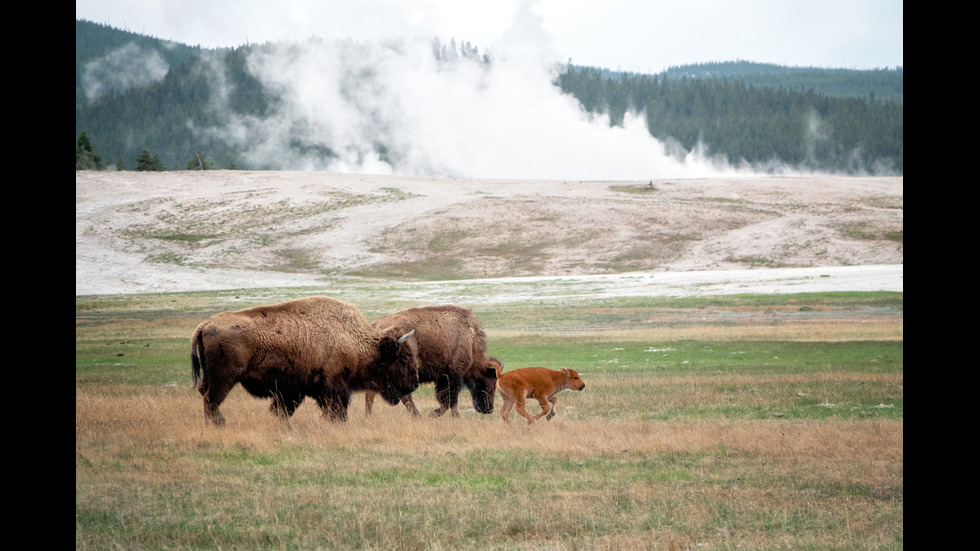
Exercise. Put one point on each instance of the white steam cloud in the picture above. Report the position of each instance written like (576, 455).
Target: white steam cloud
(127, 67)
(393, 107)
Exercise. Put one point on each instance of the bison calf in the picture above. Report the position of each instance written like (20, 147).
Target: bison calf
(317, 346)
(535, 382)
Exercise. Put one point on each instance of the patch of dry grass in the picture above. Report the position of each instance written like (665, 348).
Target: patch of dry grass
(747, 435)
(150, 474)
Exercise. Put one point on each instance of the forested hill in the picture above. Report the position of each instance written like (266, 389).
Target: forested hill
(883, 84)
(146, 103)
(749, 120)
(115, 60)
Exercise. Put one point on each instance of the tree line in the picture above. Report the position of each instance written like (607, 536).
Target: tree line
(729, 110)
(86, 159)
(755, 124)
(883, 83)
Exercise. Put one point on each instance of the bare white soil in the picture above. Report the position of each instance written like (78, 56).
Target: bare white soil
(189, 231)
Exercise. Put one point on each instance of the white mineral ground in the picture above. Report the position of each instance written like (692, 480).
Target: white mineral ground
(824, 233)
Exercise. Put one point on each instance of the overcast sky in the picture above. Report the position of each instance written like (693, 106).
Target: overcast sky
(645, 36)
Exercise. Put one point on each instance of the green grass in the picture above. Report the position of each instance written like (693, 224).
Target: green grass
(742, 380)
(641, 189)
(717, 436)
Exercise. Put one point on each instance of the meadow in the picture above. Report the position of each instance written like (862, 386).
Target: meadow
(724, 422)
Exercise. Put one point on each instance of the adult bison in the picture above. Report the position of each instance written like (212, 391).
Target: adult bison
(317, 347)
(452, 354)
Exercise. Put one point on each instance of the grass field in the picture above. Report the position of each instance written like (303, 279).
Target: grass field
(742, 422)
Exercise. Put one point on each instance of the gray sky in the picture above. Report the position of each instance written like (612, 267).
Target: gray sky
(634, 35)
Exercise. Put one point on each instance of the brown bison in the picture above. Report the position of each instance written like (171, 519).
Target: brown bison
(317, 347)
(535, 382)
(452, 354)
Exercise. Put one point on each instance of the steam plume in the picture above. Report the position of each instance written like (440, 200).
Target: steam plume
(397, 106)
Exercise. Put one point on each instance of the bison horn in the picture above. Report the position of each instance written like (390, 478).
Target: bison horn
(406, 336)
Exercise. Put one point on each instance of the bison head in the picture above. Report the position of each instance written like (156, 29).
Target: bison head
(572, 379)
(482, 382)
(398, 364)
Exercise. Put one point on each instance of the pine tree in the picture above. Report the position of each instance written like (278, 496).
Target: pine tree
(146, 163)
(85, 157)
(200, 161)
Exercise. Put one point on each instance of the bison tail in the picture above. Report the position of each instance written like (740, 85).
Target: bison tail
(197, 356)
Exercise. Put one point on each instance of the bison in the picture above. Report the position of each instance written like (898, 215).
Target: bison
(452, 354)
(535, 382)
(316, 346)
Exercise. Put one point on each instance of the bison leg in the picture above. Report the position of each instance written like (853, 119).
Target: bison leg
(406, 399)
(506, 407)
(554, 404)
(335, 405)
(545, 410)
(447, 393)
(410, 405)
(213, 393)
(212, 415)
(368, 402)
(284, 405)
(519, 406)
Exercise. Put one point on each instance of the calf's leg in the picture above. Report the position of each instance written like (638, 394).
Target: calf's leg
(543, 402)
(506, 406)
(554, 404)
(519, 406)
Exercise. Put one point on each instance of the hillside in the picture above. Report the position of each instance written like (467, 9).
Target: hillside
(416, 107)
(147, 232)
(883, 84)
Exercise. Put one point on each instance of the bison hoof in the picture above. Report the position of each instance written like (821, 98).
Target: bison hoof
(217, 420)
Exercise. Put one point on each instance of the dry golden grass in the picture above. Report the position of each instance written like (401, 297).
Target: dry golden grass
(736, 450)
(112, 418)
(391, 481)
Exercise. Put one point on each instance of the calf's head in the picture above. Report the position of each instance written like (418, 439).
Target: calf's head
(572, 380)
(398, 364)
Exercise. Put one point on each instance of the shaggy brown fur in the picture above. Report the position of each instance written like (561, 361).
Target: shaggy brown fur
(317, 347)
(535, 382)
(452, 354)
